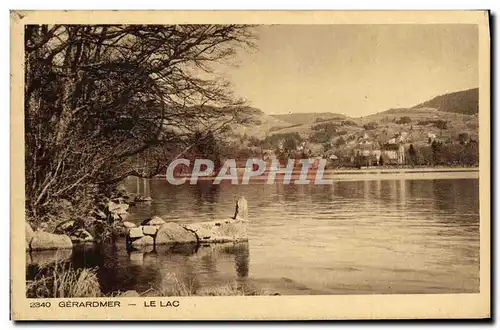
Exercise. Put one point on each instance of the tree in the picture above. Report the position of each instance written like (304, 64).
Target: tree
(381, 160)
(412, 153)
(463, 138)
(340, 142)
(436, 152)
(99, 97)
(441, 124)
(404, 120)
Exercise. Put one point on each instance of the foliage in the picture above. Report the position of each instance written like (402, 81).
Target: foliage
(349, 123)
(403, 120)
(370, 126)
(103, 102)
(329, 128)
(412, 155)
(340, 142)
(441, 124)
(465, 102)
(320, 137)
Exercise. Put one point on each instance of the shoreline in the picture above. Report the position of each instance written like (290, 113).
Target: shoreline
(362, 174)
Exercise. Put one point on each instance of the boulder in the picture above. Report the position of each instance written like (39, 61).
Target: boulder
(46, 241)
(149, 230)
(219, 231)
(127, 224)
(28, 236)
(135, 233)
(172, 233)
(154, 221)
(143, 241)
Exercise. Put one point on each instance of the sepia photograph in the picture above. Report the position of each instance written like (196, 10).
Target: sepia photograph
(169, 160)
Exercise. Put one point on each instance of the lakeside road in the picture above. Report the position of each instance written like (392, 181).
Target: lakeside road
(429, 173)
(370, 173)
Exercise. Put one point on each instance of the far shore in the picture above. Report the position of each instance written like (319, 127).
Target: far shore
(368, 173)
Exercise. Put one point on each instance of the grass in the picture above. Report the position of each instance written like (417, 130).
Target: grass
(186, 289)
(59, 280)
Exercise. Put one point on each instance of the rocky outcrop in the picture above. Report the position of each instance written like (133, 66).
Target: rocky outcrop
(219, 231)
(46, 241)
(156, 231)
(75, 229)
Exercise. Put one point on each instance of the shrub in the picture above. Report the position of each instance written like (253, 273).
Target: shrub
(404, 120)
(370, 126)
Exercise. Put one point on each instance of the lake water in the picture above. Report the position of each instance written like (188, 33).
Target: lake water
(352, 237)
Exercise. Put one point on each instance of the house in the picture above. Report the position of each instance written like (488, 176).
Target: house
(394, 153)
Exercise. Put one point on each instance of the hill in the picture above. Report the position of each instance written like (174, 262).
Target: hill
(446, 117)
(464, 102)
(257, 123)
(308, 118)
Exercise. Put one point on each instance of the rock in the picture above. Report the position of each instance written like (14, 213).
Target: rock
(154, 221)
(117, 208)
(149, 230)
(99, 214)
(130, 293)
(219, 231)
(81, 236)
(127, 224)
(124, 216)
(118, 200)
(143, 241)
(241, 212)
(171, 233)
(135, 232)
(139, 198)
(65, 227)
(43, 227)
(47, 241)
(28, 236)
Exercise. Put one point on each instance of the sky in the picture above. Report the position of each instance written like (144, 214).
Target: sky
(355, 70)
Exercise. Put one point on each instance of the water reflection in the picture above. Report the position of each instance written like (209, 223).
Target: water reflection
(377, 236)
(189, 264)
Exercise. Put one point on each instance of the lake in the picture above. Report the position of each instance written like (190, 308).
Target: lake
(352, 237)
